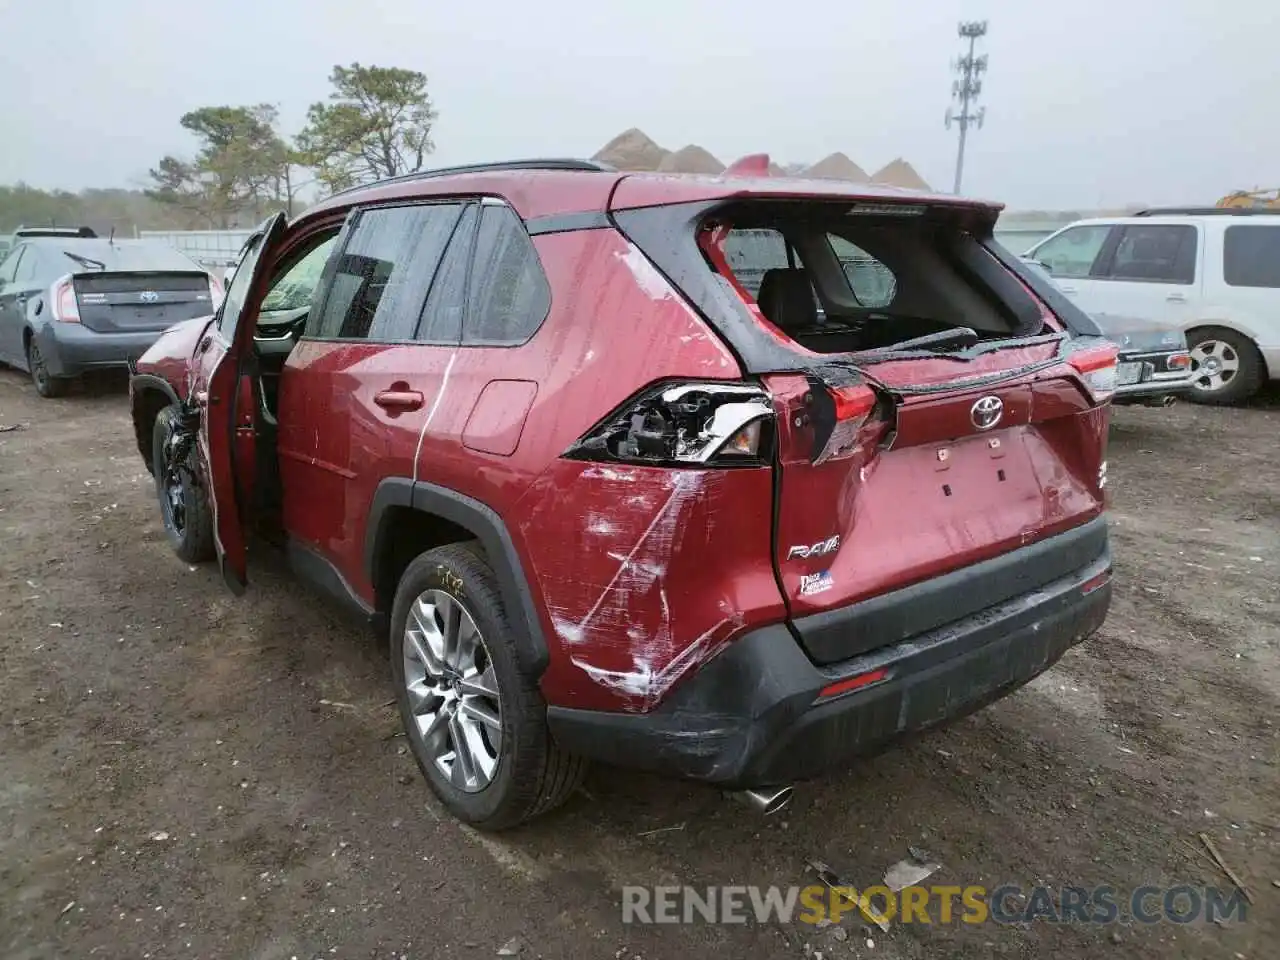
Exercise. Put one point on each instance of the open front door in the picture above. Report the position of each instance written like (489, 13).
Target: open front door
(228, 400)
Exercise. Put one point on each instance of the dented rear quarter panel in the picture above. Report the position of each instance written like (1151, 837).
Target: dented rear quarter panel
(640, 574)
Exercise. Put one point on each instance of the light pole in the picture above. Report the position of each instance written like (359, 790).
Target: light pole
(966, 90)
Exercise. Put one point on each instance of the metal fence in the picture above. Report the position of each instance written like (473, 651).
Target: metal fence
(212, 249)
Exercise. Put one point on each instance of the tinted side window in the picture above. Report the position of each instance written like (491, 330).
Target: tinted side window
(509, 295)
(873, 284)
(446, 304)
(1071, 254)
(1159, 253)
(384, 272)
(752, 251)
(1251, 256)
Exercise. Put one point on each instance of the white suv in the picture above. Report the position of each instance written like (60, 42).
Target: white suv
(1211, 272)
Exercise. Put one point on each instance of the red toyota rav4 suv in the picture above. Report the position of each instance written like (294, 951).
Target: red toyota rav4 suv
(730, 478)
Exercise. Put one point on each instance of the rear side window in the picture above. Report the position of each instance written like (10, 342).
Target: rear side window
(384, 272)
(873, 284)
(1251, 256)
(509, 295)
(446, 305)
(1072, 253)
(752, 252)
(1156, 253)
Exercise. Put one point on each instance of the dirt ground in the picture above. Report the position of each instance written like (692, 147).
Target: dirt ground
(187, 774)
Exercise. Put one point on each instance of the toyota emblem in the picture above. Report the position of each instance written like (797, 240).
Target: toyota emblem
(986, 413)
(149, 296)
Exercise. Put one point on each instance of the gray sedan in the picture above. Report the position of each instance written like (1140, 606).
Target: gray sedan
(70, 304)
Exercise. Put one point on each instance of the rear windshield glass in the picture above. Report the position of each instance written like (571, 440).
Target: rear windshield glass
(836, 281)
(80, 256)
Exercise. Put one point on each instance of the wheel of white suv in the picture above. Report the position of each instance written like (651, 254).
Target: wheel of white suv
(1225, 366)
(184, 508)
(475, 720)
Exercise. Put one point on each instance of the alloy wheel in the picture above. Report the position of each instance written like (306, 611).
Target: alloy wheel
(1214, 364)
(453, 691)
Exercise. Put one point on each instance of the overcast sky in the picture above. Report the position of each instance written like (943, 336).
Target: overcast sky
(1089, 102)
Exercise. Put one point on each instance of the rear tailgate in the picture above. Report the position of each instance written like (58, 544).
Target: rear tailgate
(140, 301)
(899, 465)
(935, 480)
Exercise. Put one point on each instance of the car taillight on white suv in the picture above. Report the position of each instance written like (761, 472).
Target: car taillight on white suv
(62, 298)
(216, 292)
(718, 423)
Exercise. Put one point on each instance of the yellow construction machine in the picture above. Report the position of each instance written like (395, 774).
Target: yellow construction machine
(1255, 199)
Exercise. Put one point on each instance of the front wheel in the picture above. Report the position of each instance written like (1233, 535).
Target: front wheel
(473, 716)
(47, 385)
(184, 508)
(1225, 366)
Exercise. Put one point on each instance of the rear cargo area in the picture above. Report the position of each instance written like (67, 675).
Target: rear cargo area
(933, 414)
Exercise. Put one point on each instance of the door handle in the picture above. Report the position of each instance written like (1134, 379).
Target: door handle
(20, 299)
(1066, 289)
(1177, 298)
(398, 400)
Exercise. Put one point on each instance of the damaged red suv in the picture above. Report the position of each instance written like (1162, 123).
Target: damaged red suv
(729, 478)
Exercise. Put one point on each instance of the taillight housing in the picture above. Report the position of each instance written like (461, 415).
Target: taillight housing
(62, 297)
(838, 414)
(216, 292)
(1097, 369)
(686, 424)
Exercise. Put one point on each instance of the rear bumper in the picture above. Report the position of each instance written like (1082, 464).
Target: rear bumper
(1157, 379)
(753, 716)
(69, 349)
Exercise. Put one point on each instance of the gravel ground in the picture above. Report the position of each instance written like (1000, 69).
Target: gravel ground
(187, 774)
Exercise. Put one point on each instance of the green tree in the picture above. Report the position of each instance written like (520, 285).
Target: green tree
(376, 124)
(242, 167)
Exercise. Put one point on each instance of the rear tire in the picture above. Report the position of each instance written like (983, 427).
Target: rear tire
(1226, 366)
(47, 385)
(515, 770)
(184, 508)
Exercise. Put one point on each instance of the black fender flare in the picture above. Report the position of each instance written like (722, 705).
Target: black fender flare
(149, 381)
(488, 527)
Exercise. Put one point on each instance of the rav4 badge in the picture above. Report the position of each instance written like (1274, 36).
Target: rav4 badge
(819, 549)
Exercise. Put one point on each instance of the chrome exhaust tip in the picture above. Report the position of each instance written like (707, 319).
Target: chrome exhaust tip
(766, 801)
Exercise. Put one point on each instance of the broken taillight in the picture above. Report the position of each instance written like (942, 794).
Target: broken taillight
(721, 423)
(1097, 368)
(850, 408)
(63, 297)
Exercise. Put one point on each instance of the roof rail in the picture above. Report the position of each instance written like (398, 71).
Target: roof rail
(551, 163)
(1208, 211)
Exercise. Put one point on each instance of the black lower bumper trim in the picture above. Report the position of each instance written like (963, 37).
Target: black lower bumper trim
(748, 717)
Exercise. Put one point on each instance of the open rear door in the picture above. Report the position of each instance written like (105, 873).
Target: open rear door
(228, 427)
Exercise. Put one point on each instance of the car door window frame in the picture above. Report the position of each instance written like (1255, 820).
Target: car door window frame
(1105, 262)
(15, 255)
(324, 289)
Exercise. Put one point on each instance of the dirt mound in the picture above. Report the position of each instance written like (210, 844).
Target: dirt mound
(632, 150)
(899, 173)
(837, 167)
(691, 159)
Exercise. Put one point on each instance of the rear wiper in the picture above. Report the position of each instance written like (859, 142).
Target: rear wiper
(85, 261)
(958, 337)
